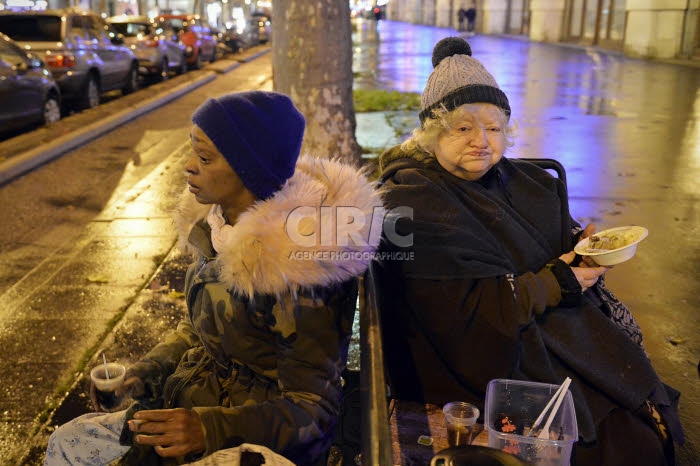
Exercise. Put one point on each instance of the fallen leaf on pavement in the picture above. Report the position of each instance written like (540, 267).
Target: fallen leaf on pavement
(100, 279)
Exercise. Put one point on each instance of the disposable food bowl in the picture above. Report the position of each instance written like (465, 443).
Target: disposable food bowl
(517, 404)
(630, 236)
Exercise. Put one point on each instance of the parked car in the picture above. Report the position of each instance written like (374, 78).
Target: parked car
(28, 93)
(226, 42)
(250, 34)
(156, 45)
(238, 35)
(197, 37)
(262, 24)
(85, 54)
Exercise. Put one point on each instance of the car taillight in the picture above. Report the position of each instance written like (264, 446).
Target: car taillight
(188, 38)
(60, 61)
(151, 42)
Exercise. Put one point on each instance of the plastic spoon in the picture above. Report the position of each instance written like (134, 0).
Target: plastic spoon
(544, 433)
(536, 424)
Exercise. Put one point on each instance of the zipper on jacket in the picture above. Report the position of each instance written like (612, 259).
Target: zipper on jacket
(204, 261)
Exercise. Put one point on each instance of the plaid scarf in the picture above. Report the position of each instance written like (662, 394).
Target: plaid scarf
(619, 313)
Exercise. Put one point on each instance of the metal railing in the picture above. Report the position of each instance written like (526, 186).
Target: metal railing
(375, 434)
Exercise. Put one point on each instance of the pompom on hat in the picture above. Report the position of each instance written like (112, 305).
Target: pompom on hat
(258, 132)
(458, 79)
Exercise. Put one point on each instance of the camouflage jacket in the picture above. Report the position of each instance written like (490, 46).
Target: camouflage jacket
(270, 321)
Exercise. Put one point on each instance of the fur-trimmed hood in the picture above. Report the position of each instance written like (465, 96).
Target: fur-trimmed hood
(269, 250)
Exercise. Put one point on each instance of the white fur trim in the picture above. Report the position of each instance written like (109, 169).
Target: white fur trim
(258, 255)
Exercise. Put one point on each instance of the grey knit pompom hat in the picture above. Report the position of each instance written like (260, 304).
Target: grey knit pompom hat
(459, 79)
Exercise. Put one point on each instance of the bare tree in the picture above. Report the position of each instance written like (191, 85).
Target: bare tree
(312, 63)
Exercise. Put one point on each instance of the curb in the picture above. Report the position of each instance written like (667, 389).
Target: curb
(216, 66)
(255, 55)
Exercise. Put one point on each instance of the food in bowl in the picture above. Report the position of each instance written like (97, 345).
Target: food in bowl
(612, 246)
(611, 240)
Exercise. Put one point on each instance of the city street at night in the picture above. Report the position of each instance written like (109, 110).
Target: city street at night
(88, 241)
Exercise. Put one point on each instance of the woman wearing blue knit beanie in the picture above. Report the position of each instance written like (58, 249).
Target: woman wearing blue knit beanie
(255, 367)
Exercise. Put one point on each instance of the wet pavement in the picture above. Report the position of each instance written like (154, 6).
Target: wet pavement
(627, 131)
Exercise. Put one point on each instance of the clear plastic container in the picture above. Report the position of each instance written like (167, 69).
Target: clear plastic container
(514, 405)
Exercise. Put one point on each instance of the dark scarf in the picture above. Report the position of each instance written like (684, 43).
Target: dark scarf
(512, 220)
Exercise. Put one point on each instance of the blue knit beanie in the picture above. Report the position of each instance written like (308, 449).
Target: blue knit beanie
(258, 132)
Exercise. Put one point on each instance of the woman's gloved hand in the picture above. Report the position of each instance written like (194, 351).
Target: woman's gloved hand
(587, 272)
(587, 261)
(586, 276)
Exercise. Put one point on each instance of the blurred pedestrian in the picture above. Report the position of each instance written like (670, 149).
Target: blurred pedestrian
(461, 15)
(470, 14)
(258, 359)
(495, 289)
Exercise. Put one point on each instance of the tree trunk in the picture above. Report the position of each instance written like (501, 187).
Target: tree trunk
(312, 63)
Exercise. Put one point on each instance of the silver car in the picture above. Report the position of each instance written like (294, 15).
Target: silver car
(85, 54)
(156, 45)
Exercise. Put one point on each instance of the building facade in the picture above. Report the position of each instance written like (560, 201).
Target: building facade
(640, 28)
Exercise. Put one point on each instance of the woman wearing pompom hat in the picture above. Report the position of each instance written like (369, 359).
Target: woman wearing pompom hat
(256, 365)
(495, 290)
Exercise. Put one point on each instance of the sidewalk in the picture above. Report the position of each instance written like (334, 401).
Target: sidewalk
(692, 62)
(108, 271)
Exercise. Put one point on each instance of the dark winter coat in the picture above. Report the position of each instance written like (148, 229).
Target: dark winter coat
(260, 355)
(478, 303)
